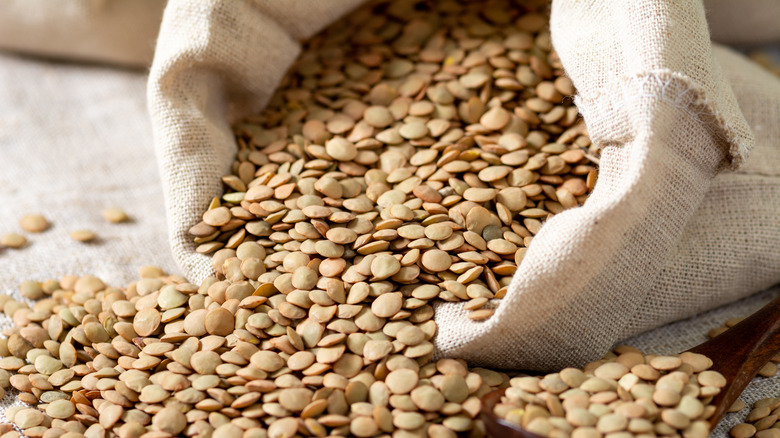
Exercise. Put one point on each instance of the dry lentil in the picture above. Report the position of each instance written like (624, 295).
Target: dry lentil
(115, 215)
(13, 240)
(83, 235)
(34, 223)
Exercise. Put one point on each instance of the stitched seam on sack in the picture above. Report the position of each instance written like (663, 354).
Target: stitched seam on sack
(613, 100)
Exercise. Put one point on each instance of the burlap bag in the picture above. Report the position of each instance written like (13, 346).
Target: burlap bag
(670, 230)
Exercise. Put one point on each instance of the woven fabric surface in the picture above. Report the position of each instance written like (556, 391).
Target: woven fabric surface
(73, 141)
(106, 31)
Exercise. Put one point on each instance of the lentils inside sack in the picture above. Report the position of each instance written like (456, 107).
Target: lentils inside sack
(413, 148)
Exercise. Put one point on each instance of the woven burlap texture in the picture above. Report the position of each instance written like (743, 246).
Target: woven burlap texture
(661, 238)
(74, 140)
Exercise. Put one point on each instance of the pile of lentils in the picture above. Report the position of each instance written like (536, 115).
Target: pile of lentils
(761, 421)
(627, 394)
(410, 155)
(164, 357)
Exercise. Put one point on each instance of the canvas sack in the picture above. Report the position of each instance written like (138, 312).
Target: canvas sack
(682, 219)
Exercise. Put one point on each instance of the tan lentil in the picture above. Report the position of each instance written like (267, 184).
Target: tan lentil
(34, 223)
(115, 215)
(83, 235)
(609, 398)
(13, 240)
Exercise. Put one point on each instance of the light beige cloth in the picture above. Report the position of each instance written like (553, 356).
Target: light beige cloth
(74, 140)
(107, 31)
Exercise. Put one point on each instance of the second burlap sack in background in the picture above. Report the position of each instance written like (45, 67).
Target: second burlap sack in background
(99, 31)
(670, 230)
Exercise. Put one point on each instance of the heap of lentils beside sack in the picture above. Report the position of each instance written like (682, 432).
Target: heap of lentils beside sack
(410, 155)
(627, 394)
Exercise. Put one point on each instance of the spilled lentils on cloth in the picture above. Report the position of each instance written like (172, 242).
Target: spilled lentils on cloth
(163, 357)
(626, 394)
